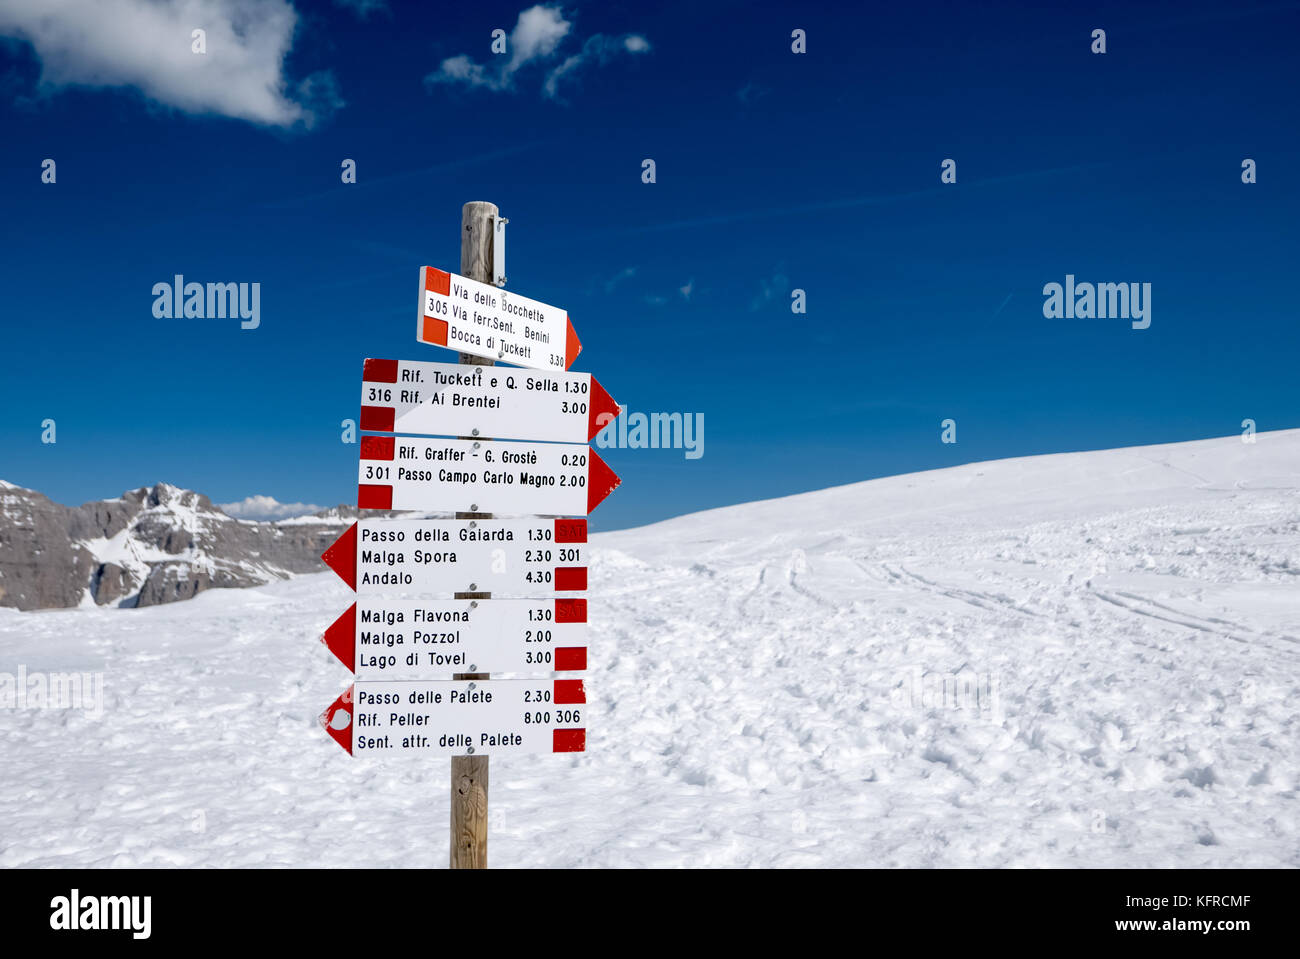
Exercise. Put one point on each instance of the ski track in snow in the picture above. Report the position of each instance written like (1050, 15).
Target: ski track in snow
(1139, 611)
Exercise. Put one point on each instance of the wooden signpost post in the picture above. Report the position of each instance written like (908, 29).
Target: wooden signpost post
(422, 662)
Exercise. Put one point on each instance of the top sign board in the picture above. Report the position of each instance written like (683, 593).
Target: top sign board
(479, 318)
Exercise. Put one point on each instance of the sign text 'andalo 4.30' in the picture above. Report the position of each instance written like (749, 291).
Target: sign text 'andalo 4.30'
(460, 717)
(478, 318)
(452, 399)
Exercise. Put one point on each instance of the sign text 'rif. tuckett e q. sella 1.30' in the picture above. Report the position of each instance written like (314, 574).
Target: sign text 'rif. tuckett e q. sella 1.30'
(454, 399)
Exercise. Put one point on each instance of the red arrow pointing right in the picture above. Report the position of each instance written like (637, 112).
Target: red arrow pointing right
(342, 556)
(572, 345)
(601, 481)
(601, 411)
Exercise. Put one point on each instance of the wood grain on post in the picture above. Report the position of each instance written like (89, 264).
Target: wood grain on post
(469, 774)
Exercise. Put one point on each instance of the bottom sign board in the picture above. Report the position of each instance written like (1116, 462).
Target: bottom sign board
(381, 638)
(460, 717)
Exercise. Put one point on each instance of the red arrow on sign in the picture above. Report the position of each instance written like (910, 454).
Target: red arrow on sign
(601, 411)
(341, 637)
(342, 556)
(343, 735)
(601, 481)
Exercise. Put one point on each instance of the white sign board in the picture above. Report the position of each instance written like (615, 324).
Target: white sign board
(451, 399)
(460, 717)
(478, 318)
(386, 638)
(505, 557)
(469, 476)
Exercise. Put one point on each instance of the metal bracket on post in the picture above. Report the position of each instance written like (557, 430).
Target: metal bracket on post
(499, 251)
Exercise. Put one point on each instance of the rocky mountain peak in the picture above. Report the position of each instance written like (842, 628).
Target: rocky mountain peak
(153, 544)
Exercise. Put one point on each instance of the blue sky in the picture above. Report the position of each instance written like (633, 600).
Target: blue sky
(775, 171)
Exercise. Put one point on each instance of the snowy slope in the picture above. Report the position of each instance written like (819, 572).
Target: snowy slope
(1087, 660)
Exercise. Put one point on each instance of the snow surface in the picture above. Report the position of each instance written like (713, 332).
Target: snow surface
(752, 692)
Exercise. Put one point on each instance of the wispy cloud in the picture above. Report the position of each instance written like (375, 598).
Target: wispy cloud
(624, 274)
(769, 289)
(535, 40)
(751, 92)
(147, 45)
(598, 50)
(265, 508)
(688, 289)
(364, 8)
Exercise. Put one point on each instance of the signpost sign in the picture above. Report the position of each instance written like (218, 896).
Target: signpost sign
(423, 557)
(441, 604)
(460, 717)
(451, 399)
(484, 320)
(384, 638)
(553, 479)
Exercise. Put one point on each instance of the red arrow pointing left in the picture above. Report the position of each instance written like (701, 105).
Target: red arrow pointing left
(337, 720)
(341, 638)
(342, 557)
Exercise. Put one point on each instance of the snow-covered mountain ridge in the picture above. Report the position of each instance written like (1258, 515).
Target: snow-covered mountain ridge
(149, 546)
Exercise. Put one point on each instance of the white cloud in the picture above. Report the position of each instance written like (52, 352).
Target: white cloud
(266, 507)
(536, 38)
(147, 44)
(688, 289)
(598, 49)
(537, 33)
